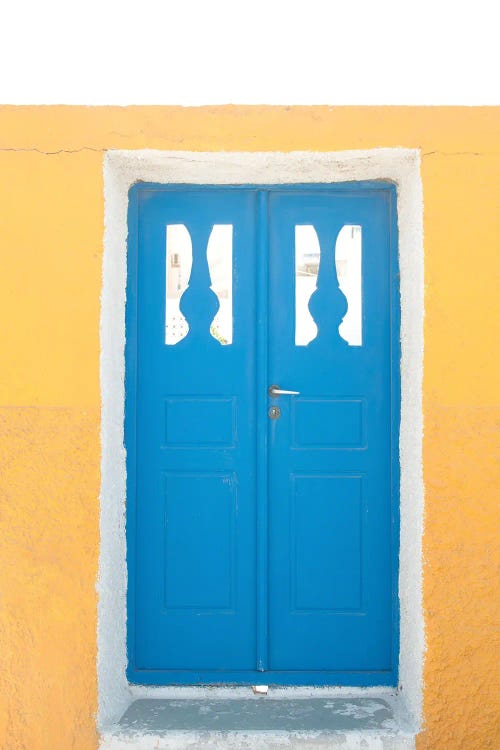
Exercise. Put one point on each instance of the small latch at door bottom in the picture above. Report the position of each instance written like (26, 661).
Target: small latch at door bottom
(260, 689)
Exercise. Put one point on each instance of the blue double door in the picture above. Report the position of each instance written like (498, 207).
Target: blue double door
(262, 525)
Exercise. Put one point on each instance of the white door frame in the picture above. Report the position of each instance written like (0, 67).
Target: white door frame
(121, 170)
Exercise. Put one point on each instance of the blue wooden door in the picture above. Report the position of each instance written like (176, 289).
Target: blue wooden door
(330, 525)
(262, 526)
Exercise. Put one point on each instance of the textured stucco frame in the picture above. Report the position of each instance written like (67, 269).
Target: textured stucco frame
(121, 170)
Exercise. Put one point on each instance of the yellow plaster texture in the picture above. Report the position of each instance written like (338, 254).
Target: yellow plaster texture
(51, 225)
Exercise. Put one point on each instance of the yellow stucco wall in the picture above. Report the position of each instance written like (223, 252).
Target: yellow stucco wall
(51, 228)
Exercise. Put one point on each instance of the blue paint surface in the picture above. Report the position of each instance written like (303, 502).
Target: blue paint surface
(262, 551)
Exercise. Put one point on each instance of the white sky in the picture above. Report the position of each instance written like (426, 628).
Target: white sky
(194, 52)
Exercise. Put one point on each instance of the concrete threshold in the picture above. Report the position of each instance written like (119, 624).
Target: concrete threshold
(261, 723)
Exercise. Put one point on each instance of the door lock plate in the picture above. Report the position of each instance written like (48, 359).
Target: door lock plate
(274, 412)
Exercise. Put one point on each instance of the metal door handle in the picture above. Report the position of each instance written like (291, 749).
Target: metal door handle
(275, 390)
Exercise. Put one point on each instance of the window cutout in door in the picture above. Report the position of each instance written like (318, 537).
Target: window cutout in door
(348, 264)
(179, 257)
(220, 262)
(307, 254)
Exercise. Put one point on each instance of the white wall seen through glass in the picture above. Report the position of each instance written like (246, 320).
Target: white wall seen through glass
(348, 261)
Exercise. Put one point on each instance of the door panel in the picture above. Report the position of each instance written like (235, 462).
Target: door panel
(330, 452)
(194, 600)
(262, 550)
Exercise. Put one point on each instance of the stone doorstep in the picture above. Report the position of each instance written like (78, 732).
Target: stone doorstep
(261, 723)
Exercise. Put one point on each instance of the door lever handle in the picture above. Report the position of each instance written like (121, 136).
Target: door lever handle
(275, 390)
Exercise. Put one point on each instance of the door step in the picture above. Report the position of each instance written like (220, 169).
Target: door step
(260, 723)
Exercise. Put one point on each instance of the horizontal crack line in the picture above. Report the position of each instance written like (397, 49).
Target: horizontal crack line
(460, 153)
(54, 153)
(103, 150)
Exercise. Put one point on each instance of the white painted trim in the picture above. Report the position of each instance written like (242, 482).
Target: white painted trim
(121, 170)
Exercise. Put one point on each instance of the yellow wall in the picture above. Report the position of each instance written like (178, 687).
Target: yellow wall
(51, 227)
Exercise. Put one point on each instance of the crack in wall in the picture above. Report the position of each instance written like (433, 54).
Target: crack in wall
(137, 148)
(55, 153)
(458, 153)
